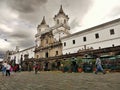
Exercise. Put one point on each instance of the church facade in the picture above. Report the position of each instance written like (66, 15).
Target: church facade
(57, 40)
(48, 39)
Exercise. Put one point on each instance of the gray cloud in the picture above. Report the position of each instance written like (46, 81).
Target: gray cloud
(77, 7)
(19, 34)
(23, 37)
(74, 23)
(28, 42)
(22, 43)
(2, 53)
(28, 10)
(3, 35)
(25, 6)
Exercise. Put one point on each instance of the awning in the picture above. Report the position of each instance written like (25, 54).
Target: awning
(112, 58)
(118, 56)
(105, 56)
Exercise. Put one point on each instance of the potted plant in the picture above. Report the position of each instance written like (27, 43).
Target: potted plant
(79, 62)
(94, 66)
(80, 69)
(67, 66)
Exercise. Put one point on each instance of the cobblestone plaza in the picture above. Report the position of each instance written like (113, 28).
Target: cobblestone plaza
(60, 81)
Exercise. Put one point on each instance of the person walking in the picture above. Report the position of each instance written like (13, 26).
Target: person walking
(8, 69)
(37, 67)
(99, 66)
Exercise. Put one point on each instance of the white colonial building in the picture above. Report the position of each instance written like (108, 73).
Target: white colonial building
(101, 36)
(20, 55)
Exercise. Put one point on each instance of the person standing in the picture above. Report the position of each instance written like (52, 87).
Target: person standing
(4, 68)
(8, 69)
(99, 66)
(20, 68)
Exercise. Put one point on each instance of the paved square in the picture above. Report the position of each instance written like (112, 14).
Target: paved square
(60, 81)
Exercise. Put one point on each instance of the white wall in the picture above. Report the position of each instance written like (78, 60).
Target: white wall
(26, 51)
(104, 40)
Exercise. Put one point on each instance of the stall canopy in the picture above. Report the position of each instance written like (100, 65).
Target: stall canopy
(118, 56)
(112, 58)
(105, 56)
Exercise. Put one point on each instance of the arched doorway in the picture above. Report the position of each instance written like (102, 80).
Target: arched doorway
(46, 54)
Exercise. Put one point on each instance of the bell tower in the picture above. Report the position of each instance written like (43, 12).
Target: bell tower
(61, 17)
(61, 24)
(42, 27)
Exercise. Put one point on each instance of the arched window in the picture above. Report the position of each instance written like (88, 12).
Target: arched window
(56, 52)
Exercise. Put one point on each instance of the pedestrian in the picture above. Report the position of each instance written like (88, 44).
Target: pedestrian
(11, 69)
(15, 68)
(36, 68)
(4, 64)
(99, 66)
(8, 69)
(20, 68)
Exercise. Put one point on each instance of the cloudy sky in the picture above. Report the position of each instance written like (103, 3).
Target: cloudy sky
(19, 18)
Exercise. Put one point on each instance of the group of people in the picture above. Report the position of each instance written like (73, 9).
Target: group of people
(98, 64)
(6, 67)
